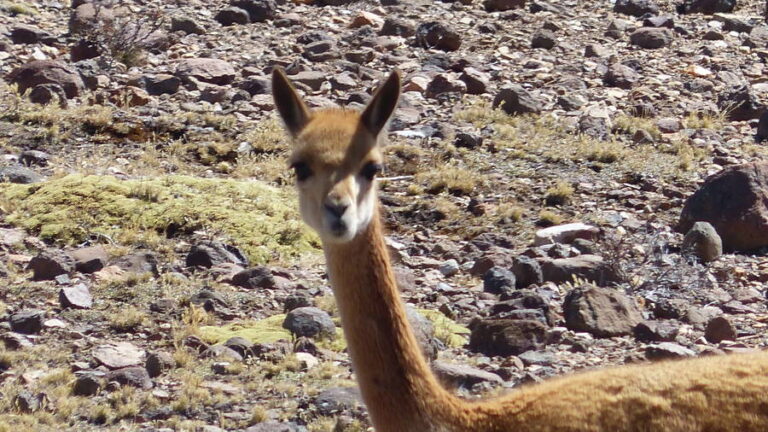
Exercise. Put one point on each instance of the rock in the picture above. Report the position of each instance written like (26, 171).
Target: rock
(667, 351)
(231, 16)
(602, 312)
(116, 355)
(762, 128)
(258, 10)
(740, 103)
(449, 268)
(363, 19)
(424, 332)
(27, 321)
(651, 37)
(462, 376)
(209, 70)
(186, 25)
(39, 72)
(636, 8)
(444, 83)
(274, 426)
(506, 337)
(544, 38)
(159, 362)
(309, 322)
(735, 202)
(595, 51)
(86, 16)
(19, 175)
(222, 352)
(502, 5)
(498, 280)
(394, 26)
(719, 329)
(131, 376)
(435, 34)
(702, 242)
(26, 402)
(34, 157)
(566, 233)
(468, 141)
(254, 278)
(25, 34)
(523, 304)
(700, 316)
(87, 383)
(335, 400)
(514, 99)
(312, 79)
(476, 81)
(732, 22)
(76, 297)
(90, 259)
(214, 254)
(706, 6)
(656, 331)
(590, 267)
(138, 262)
(537, 358)
(49, 264)
(621, 76)
(161, 84)
(241, 345)
(527, 272)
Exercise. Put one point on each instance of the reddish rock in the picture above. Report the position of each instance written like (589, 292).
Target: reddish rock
(601, 311)
(39, 72)
(212, 71)
(735, 202)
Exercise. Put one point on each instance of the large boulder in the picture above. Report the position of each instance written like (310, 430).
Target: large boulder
(602, 312)
(735, 202)
(37, 72)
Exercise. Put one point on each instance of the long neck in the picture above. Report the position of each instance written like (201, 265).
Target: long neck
(398, 387)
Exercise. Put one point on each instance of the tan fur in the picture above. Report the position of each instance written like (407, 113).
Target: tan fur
(726, 393)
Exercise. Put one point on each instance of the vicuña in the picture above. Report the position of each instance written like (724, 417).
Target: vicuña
(336, 158)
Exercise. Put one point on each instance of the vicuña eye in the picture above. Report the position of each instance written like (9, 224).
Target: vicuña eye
(371, 170)
(301, 170)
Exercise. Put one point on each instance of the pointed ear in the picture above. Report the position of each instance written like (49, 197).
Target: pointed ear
(382, 105)
(294, 113)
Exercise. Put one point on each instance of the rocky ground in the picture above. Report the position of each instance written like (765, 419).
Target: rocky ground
(545, 170)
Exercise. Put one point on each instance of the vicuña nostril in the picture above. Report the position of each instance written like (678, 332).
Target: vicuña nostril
(336, 209)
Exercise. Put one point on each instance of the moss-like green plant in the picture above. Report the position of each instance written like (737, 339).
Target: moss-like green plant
(447, 330)
(260, 219)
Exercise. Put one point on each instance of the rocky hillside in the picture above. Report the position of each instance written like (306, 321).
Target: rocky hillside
(569, 185)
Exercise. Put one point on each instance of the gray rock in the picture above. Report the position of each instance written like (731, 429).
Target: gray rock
(656, 331)
(186, 25)
(312, 79)
(116, 355)
(90, 259)
(274, 426)
(636, 8)
(537, 358)
(444, 83)
(310, 322)
(706, 6)
(514, 99)
(437, 35)
(762, 128)
(740, 103)
(502, 5)
(76, 297)
(27, 321)
(589, 267)
(527, 272)
(506, 337)
(26, 34)
(336, 400)
(394, 26)
(462, 376)
(159, 362)
(222, 352)
(131, 376)
(702, 242)
(254, 278)
(735, 202)
(214, 254)
(232, 15)
(258, 10)
(241, 345)
(651, 37)
(161, 84)
(19, 175)
(208, 70)
(498, 280)
(544, 38)
(667, 351)
(602, 312)
(34, 157)
(621, 76)
(87, 383)
(424, 332)
(719, 329)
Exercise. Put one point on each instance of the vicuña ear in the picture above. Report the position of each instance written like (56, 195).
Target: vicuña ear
(382, 105)
(294, 113)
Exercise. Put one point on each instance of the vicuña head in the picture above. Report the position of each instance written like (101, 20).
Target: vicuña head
(336, 158)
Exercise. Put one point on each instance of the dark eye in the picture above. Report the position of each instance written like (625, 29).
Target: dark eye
(301, 170)
(371, 170)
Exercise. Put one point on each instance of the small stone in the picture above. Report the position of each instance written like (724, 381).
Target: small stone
(186, 25)
(514, 99)
(621, 76)
(702, 242)
(498, 280)
(27, 321)
(502, 5)
(310, 322)
(636, 8)
(131, 376)
(566, 233)
(462, 376)
(214, 254)
(450, 268)
(159, 362)
(434, 34)
(656, 331)
(335, 400)
(544, 38)
(667, 351)
(719, 329)
(254, 278)
(87, 383)
(116, 355)
(651, 37)
(48, 265)
(258, 10)
(527, 272)
(76, 297)
(90, 259)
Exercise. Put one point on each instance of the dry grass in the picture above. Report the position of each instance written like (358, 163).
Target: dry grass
(549, 218)
(629, 125)
(127, 319)
(559, 194)
(451, 179)
(706, 120)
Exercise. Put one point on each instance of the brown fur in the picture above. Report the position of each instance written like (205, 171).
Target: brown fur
(725, 393)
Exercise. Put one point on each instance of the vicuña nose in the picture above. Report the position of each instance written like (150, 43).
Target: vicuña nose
(337, 209)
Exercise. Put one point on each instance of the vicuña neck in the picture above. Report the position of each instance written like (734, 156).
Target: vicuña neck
(398, 387)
